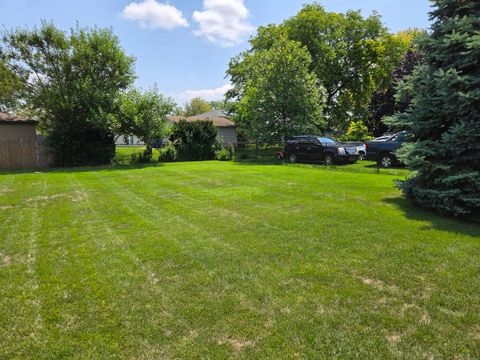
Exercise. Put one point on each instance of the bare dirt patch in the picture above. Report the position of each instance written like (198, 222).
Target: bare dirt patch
(379, 284)
(7, 207)
(79, 196)
(5, 260)
(238, 344)
(394, 338)
(76, 196)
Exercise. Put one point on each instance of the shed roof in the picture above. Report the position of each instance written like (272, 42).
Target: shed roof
(6, 118)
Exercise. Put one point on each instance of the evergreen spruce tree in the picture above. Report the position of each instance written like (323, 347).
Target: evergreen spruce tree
(444, 115)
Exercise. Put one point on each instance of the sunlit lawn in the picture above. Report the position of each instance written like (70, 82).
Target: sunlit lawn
(216, 260)
(124, 154)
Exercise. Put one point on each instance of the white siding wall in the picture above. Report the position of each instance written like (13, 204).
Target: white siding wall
(131, 140)
(228, 134)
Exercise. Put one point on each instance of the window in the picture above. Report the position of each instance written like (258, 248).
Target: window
(326, 141)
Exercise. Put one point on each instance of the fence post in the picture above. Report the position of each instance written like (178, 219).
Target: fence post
(378, 162)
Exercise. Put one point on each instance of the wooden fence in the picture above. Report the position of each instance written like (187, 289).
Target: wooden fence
(23, 154)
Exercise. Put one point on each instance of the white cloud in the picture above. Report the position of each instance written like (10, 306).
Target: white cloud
(207, 94)
(152, 14)
(223, 21)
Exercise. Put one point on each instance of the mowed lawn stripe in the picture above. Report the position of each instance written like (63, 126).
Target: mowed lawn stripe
(151, 322)
(75, 301)
(219, 260)
(199, 277)
(152, 329)
(149, 195)
(189, 205)
(423, 242)
(21, 324)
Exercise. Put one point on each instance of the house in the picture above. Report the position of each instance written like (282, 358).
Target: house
(14, 127)
(128, 141)
(226, 128)
(20, 148)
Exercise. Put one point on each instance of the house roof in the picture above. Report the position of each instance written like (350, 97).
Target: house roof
(6, 118)
(218, 118)
(212, 115)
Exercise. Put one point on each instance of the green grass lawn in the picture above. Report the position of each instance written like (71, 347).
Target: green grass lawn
(124, 154)
(218, 260)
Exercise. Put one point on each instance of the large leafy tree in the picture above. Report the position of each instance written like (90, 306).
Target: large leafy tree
(390, 99)
(197, 106)
(71, 82)
(11, 88)
(143, 114)
(278, 94)
(351, 57)
(444, 116)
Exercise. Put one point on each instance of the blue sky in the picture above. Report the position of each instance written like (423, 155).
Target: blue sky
(185, 45)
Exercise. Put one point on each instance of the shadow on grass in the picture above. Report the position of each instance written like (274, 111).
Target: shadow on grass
(285, 162)
(358, 167)
(435, 220)
(258, 162)
(81, 169)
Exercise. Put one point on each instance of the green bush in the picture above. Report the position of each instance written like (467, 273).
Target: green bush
(168, 154)
(225, 154)
(140, 158)
(357, 131)
(85, 145)
(195, 140)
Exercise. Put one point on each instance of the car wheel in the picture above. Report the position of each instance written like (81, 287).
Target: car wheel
(361, 156)
(328, 159)
(292, 158)
(386, 161)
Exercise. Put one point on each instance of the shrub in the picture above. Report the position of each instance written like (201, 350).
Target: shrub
(168, 154)
(140, 158)
(357, 131)
(195, 140)
(225, 154)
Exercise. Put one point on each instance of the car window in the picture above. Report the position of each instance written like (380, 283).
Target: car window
(400, 137)
(326, 141)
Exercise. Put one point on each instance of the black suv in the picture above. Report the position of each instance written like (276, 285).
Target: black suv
(311, 148)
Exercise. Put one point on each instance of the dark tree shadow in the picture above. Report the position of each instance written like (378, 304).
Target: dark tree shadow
(259, 162)
(285, 162)
(435, 220)
(81, 169)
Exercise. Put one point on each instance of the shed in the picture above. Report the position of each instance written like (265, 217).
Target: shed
(13, 127)
(19, 146)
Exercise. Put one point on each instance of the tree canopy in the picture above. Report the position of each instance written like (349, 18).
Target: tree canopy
(388, 100)
(351, 56)
(11, 88)
(278, 94)
(71, 83)
(197, 106)
(143, 114)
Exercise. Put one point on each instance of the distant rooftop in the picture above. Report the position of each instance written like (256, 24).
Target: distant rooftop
(219, 118)
(212, 114)
(6, 118)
